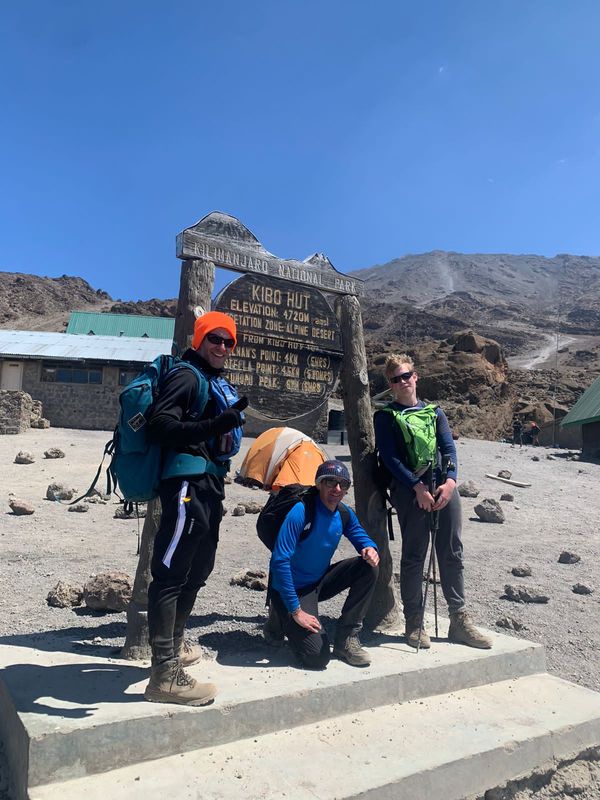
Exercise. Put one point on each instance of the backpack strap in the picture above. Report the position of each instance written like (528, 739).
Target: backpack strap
(108, 451)
(308, 500)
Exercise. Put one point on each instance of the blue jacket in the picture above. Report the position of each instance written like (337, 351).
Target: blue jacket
(296, 565)
(390, 445)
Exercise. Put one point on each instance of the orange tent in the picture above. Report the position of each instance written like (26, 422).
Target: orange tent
(280, 456)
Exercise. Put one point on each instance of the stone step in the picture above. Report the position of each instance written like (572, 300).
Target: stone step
(445, 747)
(65, 715)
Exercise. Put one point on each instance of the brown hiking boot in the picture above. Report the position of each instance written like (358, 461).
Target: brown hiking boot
(462, 631)
(170, 683)
(272, 629)
(411, 631)
(189, 653)
(350, 651)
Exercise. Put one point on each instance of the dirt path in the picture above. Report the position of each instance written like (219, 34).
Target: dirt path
(538, 358)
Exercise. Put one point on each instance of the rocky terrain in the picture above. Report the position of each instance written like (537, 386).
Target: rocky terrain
(544, 314)
(34, 303)
(542, 520)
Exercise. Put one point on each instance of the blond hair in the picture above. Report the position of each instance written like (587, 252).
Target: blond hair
(394, 361)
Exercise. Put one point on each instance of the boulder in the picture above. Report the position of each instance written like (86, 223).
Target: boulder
(108, 591)
(54, 452)
(524, 594)
(251, 579)
(581, 588)
(238, 511)
(24, 457)
(535, 458)
(58, 491)
(507, 497)
(505, 473)
(510, 623)
(20, 508)
(65, 595)
(79, 508)
(568, 558)
(120, 513)
(489, 510)
(252, 507)
(468, 489)
(40, 423)
(522, 571)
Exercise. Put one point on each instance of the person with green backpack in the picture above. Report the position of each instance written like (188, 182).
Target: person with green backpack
(414, 440)
(196, 420)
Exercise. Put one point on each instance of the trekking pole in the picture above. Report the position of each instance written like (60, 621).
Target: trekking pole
(433, 529)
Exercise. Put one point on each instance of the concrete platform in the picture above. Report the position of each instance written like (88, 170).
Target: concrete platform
(64, 715)
(440, 748)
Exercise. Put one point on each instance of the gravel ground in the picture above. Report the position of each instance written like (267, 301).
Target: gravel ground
(558, 512)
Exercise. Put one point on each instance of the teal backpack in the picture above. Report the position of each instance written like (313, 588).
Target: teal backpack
(137, 464)
(418, 428)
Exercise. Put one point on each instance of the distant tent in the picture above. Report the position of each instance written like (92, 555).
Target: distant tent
(280, 456)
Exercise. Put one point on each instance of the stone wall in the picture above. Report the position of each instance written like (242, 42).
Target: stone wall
(76, 405)
(16, 411)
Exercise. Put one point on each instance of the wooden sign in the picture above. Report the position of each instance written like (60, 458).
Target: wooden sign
(226, 242)
(289, 348)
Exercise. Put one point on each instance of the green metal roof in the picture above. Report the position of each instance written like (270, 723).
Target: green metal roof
(87, 322)
(587, 408)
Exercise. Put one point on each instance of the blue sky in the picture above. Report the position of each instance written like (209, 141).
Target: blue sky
(363, 130)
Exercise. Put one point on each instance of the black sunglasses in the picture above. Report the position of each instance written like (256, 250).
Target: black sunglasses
(333, 482)
(404, 376)
(214, 338)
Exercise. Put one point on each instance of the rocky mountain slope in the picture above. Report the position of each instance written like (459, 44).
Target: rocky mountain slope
(31, 302)
(544, 312)
(422, 305)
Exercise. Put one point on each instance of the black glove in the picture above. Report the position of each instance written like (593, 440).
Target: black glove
(241, 404)
(227, 421)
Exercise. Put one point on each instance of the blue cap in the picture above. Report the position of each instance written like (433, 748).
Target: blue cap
(332, 469)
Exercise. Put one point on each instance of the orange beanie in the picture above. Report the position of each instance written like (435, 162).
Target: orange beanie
(211, 321)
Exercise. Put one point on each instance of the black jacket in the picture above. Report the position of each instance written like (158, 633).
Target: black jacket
(173, 424)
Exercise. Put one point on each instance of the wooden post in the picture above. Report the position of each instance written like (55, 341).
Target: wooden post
(370, 499)
(195, 290)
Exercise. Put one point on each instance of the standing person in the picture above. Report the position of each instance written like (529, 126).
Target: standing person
(302, 574)
(517, 432)
(414, 504)
(191, 495)
(535, 433)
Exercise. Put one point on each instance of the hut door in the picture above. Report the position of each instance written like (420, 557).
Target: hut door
(12, 376)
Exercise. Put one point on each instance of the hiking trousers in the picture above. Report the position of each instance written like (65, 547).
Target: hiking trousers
(183, 558)
(414, 525)
(312, 649)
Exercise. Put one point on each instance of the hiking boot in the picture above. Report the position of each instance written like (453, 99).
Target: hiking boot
(462, 631)
(189, 653)
(411, 631)
(272, 629)
(350, 651)
(170, 683)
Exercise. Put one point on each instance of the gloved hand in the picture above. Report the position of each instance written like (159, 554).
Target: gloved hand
(241, 404)
(227, 421)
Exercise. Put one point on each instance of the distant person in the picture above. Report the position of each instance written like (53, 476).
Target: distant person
(535, 433)
(517, 432)
(302, 574)
(414, 504)
(191, 495)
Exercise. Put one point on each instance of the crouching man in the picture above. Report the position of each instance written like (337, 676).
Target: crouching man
(302, 575)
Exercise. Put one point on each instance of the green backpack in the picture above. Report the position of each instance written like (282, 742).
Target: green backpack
(418, 427)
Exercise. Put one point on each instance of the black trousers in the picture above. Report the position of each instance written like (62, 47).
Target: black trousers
(183, 558)
(414, 525)
(312, 649)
